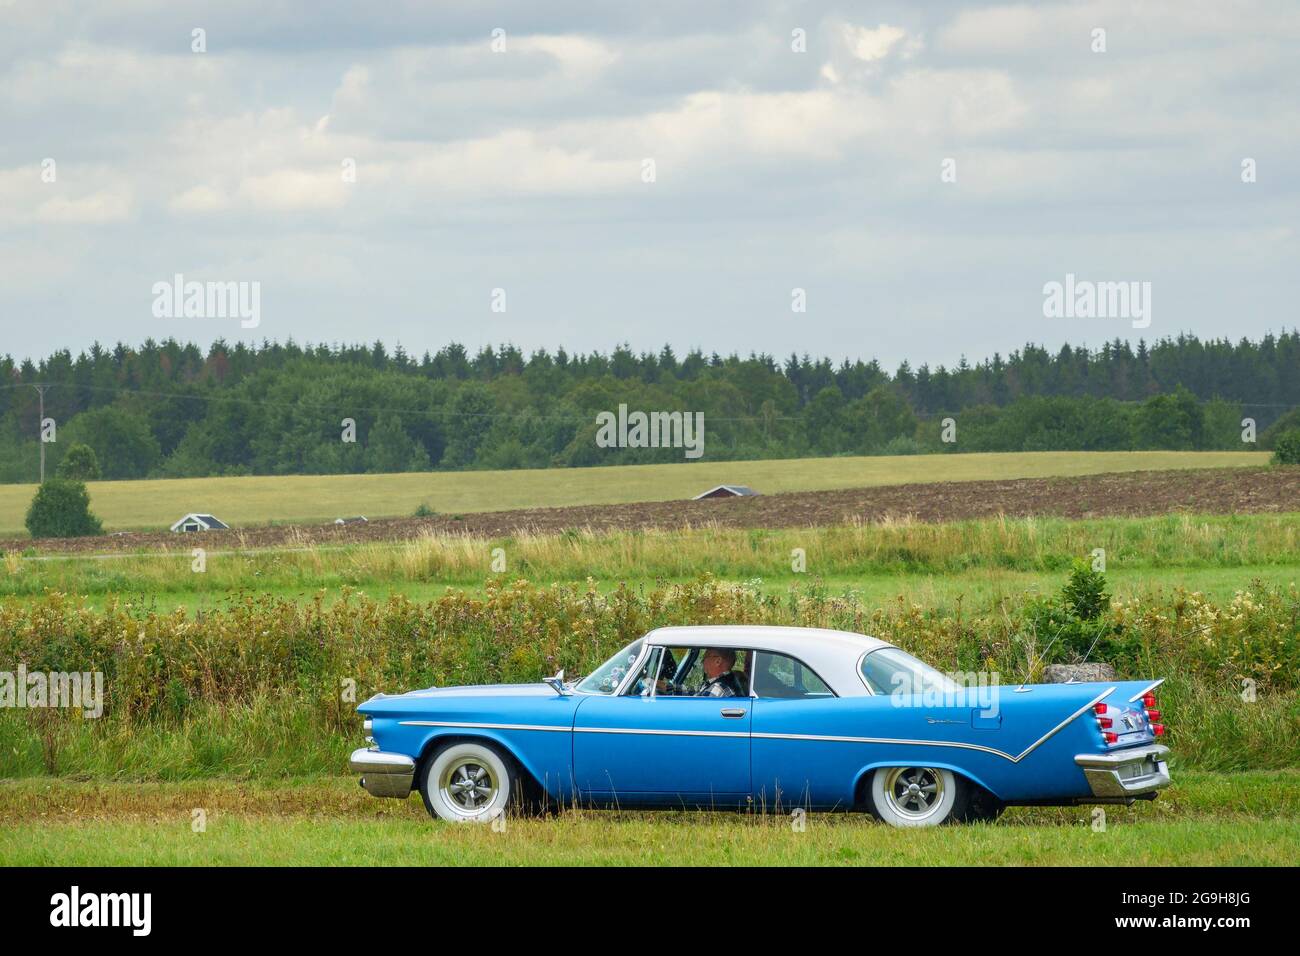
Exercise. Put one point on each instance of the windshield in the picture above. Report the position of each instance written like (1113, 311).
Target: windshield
(606, 678)
(891, 671)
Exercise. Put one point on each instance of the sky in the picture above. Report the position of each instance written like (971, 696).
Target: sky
(898, 181)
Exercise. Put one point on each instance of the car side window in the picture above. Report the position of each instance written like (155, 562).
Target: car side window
(683, 672)
(784, 677)
(643, 683)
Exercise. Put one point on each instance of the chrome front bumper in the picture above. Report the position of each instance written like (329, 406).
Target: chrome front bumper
(1126, 774)
(385, 774)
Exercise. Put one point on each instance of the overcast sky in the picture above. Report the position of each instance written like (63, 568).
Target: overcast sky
(524, 169)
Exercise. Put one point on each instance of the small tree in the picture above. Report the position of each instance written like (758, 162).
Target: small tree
(1286, 450)
(1085, 593)
(79, 464)
(61, 509)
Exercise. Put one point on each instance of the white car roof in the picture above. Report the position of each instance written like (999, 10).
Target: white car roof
(833, 655)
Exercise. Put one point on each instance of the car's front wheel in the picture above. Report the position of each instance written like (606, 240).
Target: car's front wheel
(916, 796)
(467, 782)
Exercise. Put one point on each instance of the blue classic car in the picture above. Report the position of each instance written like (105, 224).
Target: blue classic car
(767, 718)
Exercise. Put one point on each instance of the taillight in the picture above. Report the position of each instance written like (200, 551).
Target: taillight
(1153, 715)
(1104, 723)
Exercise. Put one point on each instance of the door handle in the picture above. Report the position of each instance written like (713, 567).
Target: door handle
(733, 712)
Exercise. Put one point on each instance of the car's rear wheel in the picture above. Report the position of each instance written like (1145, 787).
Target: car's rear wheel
(917, 796)
(467, 782)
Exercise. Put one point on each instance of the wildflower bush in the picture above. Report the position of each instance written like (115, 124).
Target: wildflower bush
(265, 685)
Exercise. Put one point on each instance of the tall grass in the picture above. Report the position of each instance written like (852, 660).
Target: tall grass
(1020, 544)
(260, 687)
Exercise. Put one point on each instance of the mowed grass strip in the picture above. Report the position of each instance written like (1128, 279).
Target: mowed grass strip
(1260, 794)
(260, 500)
(1205, 819)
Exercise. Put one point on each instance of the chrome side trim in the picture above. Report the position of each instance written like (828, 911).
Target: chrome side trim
(458, 723)
(661, 733)
(823, 738)
(1142, 693)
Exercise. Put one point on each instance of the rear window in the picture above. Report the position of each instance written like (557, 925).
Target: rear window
(785, 677)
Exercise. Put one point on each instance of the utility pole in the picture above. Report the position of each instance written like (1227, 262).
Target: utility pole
(40, 426)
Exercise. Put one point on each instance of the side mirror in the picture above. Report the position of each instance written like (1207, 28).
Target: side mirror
(556, 683)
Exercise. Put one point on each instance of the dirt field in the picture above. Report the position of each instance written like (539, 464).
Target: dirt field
(1133, 494)
(252, 501)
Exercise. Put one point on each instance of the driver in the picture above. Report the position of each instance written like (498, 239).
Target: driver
(721, 679)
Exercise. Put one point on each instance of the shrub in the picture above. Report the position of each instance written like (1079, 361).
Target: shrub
(61, 509)
(1286, 450)
(1085, 592)
(79, 463)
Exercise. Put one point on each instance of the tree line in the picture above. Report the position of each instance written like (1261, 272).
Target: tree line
(169, 409)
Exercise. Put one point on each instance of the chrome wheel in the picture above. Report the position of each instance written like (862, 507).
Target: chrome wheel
(467, 782)
(914, 793)
(468, 785)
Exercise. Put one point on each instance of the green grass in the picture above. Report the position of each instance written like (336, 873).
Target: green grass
(980, 587)
(928, 563)
(1203, 820)
(155, 504)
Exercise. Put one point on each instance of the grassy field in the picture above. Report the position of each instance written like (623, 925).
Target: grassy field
(1203, 820)
(980, 587)
(932, 564)
(237, 711)
(154, 505)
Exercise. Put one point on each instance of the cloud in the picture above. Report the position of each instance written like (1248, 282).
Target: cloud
(94, 209)
(199, 199)
(78, 195)
(295, 189)
(870, 45)
(774, 168)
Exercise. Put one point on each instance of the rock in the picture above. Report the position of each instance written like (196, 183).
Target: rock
(1084, 673)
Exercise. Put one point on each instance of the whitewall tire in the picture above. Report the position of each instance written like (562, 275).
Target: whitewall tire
(467, 782)
(916, 796)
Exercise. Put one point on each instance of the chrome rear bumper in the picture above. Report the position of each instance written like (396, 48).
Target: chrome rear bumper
(1126, 774)
(385, 774)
